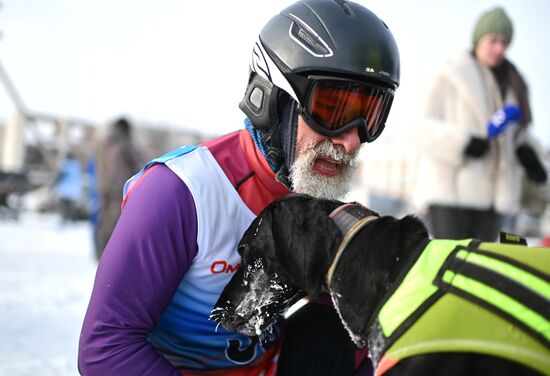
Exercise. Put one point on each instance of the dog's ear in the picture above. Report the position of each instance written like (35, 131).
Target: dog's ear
(295, 238)
(257, 241)
(370, 265)
(415, 229)
(305, 240)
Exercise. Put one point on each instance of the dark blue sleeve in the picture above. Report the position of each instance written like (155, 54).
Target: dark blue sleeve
(149, 252)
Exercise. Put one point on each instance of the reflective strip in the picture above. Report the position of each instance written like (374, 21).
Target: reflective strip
(500, 300)
(510, 271)
(417, 287)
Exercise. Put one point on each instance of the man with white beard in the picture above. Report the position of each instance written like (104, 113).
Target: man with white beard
(322, 79)
(324, 170)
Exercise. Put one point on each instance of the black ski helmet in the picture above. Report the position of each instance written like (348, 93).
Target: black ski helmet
(330, 38)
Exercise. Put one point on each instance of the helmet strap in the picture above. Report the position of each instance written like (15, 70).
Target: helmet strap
(272, 120)
(275, 155)
(283, 141)
(288, 131)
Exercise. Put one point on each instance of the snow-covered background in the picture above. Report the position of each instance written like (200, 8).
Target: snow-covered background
(46, 276)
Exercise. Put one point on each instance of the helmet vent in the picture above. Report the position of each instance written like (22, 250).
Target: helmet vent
(344, 6)
(305, 36)
(311, 41)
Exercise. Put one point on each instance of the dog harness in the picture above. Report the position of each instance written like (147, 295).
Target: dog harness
(467, 296)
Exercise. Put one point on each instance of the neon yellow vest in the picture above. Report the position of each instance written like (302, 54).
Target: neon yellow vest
(466, 296)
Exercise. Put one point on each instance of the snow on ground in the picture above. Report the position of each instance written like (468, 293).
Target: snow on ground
(46, 277)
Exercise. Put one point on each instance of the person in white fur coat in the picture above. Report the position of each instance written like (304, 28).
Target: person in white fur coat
(474, 140)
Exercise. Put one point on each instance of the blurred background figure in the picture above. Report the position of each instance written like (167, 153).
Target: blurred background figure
(13, 185)
(68, 184)
(92, 194)
(534, 201)
(474, 140)
(118, 158)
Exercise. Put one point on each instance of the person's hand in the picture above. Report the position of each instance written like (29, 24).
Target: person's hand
(501, 119)
(531, 163)
(477, 147)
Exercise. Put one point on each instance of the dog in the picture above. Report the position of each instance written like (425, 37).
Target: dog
(302, 246)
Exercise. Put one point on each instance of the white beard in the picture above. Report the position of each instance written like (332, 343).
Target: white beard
(305, 180)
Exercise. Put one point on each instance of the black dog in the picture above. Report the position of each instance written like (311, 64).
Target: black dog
(303, 246)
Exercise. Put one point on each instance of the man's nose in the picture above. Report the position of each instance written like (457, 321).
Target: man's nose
(349, 140)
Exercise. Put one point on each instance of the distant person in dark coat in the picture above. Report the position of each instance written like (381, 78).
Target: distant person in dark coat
(118, 159)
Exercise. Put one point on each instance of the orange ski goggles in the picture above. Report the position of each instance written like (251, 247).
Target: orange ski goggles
(333, 107)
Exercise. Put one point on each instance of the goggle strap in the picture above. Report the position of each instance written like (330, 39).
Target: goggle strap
(384, 111)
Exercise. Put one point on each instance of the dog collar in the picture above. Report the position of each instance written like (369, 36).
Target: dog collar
(350, 218)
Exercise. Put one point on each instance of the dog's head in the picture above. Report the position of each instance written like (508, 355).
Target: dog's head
(288, 250)
(285, 254)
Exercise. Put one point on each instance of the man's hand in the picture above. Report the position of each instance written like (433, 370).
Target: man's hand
(501, 119)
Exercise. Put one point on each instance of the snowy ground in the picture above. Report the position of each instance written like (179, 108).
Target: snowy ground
(46, 276)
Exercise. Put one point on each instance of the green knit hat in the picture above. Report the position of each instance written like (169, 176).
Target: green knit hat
(493, 21)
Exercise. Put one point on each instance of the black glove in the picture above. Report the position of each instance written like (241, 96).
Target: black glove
(477, 147)
(531, 163)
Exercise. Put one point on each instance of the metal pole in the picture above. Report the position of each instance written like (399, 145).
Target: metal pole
(12, 91)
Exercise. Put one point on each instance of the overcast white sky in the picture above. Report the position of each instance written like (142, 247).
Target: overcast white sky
(185, 63)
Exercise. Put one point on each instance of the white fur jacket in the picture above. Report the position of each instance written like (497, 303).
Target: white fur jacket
(460, 101)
